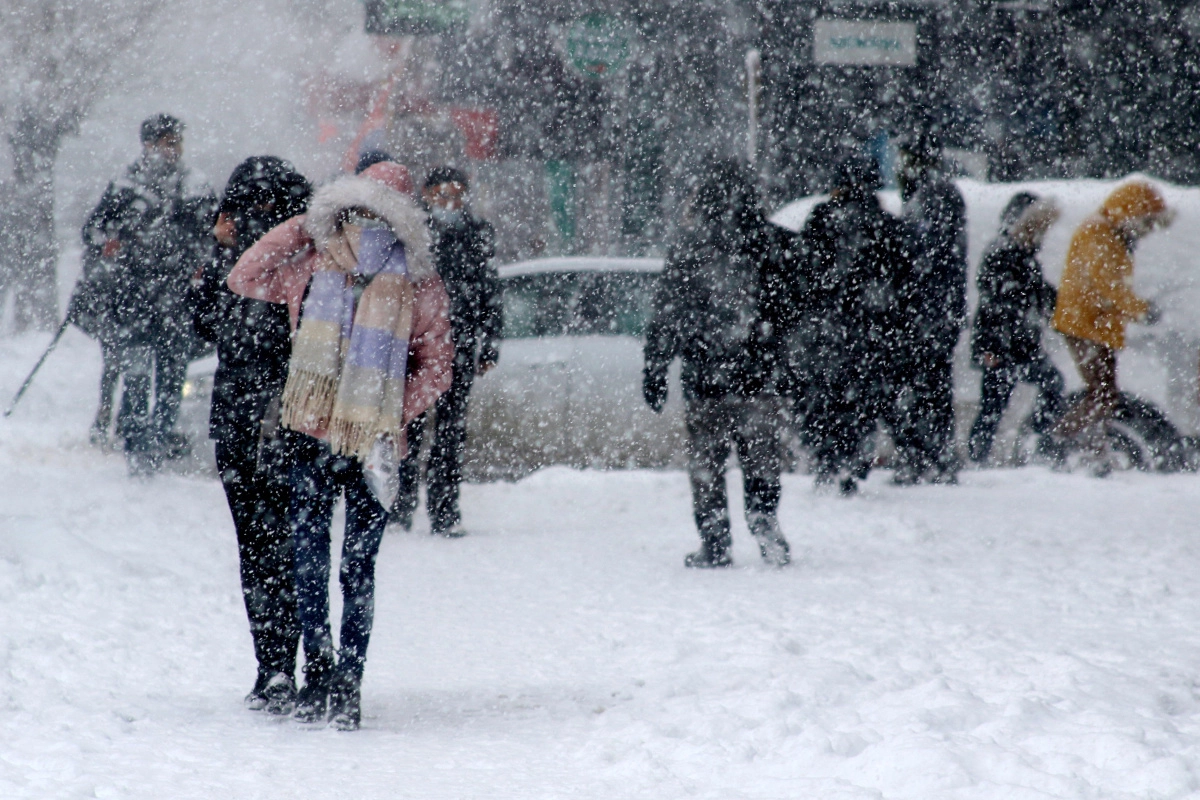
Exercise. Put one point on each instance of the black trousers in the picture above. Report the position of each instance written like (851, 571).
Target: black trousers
(840, 417)
(998, 385)
(715, 426)
(922, 415)
(258, 498)
(443, 473)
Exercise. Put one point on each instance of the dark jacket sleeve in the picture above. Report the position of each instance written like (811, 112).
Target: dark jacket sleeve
(490, 297)
(663, 331)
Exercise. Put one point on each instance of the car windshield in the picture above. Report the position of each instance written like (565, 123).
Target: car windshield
(577, 304)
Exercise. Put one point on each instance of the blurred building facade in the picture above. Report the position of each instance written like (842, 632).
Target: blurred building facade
(585, 123)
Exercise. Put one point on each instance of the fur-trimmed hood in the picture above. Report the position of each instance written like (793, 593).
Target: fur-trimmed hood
(403, 215)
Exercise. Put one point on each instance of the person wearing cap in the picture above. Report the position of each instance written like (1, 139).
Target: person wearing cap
(1095, 303)
(149, 233)
(462, 251)
(856, 249)
(1006, 337)
(934, 299)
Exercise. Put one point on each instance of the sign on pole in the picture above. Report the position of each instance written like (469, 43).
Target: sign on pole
(598, 46)
(415, 17)
(864, 43)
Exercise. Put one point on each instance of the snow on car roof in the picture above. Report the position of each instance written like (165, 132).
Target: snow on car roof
(539, 266)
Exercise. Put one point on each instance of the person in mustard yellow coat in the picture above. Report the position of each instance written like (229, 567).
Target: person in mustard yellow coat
(1096, 301)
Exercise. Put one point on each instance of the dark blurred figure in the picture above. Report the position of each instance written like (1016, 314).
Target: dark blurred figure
(253, 342)
(463, 247)
(934, 304)
(718, 308)
(149, 233)
(1006, 339)
(857, 250)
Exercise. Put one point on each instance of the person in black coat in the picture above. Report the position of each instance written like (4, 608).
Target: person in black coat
(851, 329)
(253, 347)
(463, 248)
(934, 303)
(145, 238)
(716, 308)
(1006, 338)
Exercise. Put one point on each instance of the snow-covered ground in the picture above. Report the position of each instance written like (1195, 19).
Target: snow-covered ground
(1024, 635)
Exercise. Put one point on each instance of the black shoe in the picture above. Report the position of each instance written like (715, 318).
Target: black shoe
(311, 703)
(174, 445)
(257, 699)
(345, 704)
(402, 519)
(848, 487)
(280, 694)
(906, 476)
(705, 559)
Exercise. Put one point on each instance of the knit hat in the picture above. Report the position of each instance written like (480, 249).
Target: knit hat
(160, 126)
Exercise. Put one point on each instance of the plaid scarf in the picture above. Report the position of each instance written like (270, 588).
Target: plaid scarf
(349, 358)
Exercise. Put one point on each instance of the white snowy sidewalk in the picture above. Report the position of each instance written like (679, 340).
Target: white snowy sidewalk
(1024, 635)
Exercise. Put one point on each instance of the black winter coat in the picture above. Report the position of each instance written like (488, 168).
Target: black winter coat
(933, 292)
(724, 303)
(140, 296)
(463, 255)
(253, 337)
(850, 331)
(1014, 299)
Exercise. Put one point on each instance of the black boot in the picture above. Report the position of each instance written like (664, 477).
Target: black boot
(345, 703)
(313, 699)
(257, 699)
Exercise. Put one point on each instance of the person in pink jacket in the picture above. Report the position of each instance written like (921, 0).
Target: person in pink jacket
(280, 268)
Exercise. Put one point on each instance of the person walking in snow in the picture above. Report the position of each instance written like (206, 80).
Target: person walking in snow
(712, 311)
(857, 249)
(1006, 338)
(253, 346)
(462, 253)
(371, 351)
(934, 303)
(1096, 302)
(149, 233)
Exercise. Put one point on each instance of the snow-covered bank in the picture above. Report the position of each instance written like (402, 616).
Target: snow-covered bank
(1024, 635)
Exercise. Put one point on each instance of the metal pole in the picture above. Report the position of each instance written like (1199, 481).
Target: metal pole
(53, 342)
(753, 78)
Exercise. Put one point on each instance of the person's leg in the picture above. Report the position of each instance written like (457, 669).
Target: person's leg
(265, 558)
(170, 372)
(757, 438)
(996, 390)
(444, 475)
(709, 424)
(1048, 407)
(133, 416)
(110, 376)
(365, 521)
(1096, 365)
(314, 489)
(410, 475)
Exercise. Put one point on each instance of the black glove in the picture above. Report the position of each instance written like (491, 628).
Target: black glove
(654, 389)
(489, 354)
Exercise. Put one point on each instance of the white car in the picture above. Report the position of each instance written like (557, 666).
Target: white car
(568, 386)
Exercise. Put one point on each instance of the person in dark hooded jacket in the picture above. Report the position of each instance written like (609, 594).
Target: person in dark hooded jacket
(1006, 338)
(253, 342)
(714, 308)
(933, 297)
(857, 250)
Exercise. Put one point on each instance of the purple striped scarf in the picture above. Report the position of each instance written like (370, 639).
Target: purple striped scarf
(349, 360)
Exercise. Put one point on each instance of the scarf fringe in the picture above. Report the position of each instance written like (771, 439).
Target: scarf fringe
(308, 399)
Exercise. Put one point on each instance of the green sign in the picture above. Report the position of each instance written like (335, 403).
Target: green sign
(415, 17)
(598, 46)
